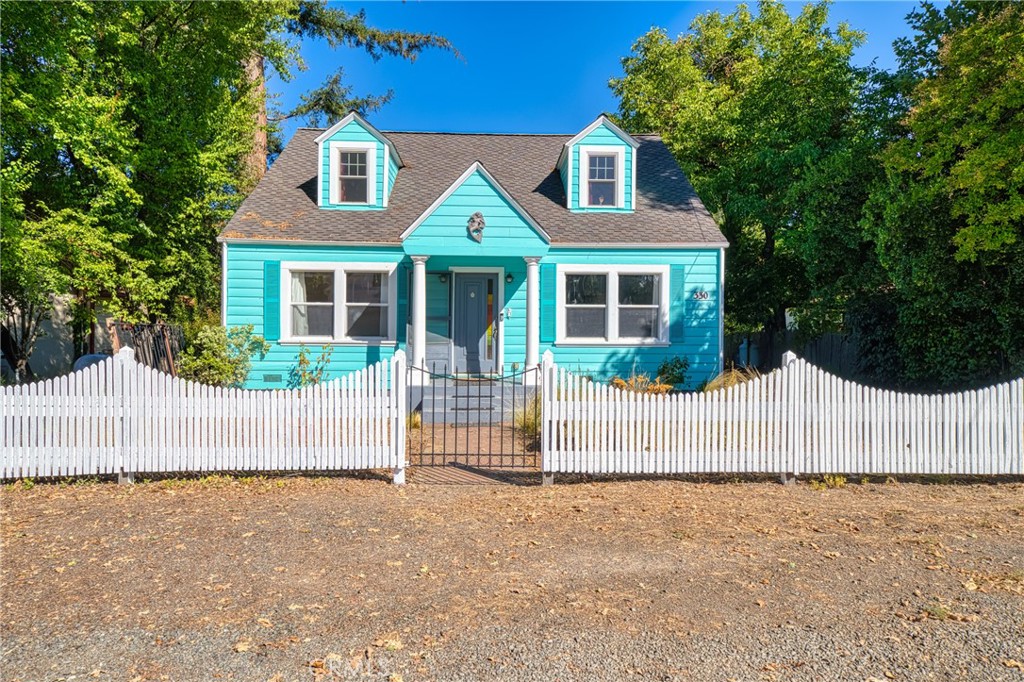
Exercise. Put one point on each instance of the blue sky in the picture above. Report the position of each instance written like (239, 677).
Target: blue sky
(530, 67)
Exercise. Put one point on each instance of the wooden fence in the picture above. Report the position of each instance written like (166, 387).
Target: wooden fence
(795, 420)
(121, 417)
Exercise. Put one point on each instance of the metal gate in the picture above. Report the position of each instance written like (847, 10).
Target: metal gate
(487, 422)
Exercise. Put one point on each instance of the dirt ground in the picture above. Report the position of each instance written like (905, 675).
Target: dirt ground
(344, 579)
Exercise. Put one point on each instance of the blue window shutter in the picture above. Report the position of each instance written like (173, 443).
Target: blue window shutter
(677, 303)
(272, 300)
(547, 302)
(402, 315)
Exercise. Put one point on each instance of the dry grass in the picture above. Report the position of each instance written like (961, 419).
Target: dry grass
(642, 383)
(732, 377)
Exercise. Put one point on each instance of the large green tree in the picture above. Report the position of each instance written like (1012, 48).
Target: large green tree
(128, 137)
(758, 108)
(947, 219)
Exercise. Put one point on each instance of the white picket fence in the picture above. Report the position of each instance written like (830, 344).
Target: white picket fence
(122, 417)
(795, 420)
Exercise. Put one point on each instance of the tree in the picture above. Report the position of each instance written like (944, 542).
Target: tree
(947, 219)
(127, 129)
(757, 109)
(315, 19)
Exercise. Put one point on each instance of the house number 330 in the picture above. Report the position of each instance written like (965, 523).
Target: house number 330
(701, 296)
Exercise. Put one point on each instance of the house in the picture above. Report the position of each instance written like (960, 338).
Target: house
(476, 253)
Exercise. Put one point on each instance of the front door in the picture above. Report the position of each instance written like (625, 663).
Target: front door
(475, 329)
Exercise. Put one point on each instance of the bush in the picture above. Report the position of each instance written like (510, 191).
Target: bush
(221, 357)
(308, 372)
(673, 370)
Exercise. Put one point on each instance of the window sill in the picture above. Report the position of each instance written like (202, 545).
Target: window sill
(335, 342)
(582, 343)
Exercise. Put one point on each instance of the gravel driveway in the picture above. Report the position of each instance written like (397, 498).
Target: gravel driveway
(349, 579)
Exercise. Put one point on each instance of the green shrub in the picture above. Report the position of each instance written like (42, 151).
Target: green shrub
(308, 372)
(673, 370)
(829, 482)
(221, 357)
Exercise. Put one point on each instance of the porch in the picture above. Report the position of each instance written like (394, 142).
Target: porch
(473, 318)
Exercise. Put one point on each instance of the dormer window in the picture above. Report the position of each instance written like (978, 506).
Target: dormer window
(601, 183)
(602, 170)
(353, 177)
(353, 173)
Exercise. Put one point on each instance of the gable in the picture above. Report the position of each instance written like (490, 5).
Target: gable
(599, 137)
(353, 133)
(442, 229)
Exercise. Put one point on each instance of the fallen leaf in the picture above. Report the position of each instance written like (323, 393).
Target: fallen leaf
(242, 645)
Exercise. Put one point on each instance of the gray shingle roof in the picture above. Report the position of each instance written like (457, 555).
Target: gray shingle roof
(283, 205)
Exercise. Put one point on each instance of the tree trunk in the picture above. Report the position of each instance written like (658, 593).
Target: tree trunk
(255, 163)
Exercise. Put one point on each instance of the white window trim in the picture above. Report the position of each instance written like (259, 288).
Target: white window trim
(340, 293)
(586, 151)
(612, 319)
(335, 149)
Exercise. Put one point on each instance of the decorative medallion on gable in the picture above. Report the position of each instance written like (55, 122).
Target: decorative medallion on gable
(475, 227)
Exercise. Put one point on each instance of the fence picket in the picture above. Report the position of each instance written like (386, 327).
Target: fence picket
(119, 414)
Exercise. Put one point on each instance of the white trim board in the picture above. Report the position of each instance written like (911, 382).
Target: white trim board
(612, 303)
(474, 167)
(554, 245)
(335, 149)
(588, 150)
(339, 270)
(602, 119)
(353, 116)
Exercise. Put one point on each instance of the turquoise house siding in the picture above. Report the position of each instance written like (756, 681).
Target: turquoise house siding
(353, 132)
(443, 232)
(247, 266)
(392, 173)
(563, 171)
(601, 136)
(693, 324)
(693, 328)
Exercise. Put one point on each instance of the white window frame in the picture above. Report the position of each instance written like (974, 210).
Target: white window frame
(586, 151)
(336, 148)
(612, 272)
(340, 271)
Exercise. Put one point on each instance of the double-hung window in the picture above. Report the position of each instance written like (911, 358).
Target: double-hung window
(352, 177)
(601, 180)
(353, 173)
(622, 304)
(352, 302)
(366, 305)
(602, 176)
(639, 306)
(312, 304)
(586, 306)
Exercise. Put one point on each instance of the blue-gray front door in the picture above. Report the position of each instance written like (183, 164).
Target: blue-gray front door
(475, 340)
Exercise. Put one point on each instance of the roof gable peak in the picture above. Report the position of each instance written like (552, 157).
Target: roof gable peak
(476, 167)
(607, 122)
(354, 116)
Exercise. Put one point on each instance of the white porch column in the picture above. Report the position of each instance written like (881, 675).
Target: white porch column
(532, 311)
(419, 311)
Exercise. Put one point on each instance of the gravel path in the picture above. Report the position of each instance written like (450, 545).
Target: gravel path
(347, 579)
